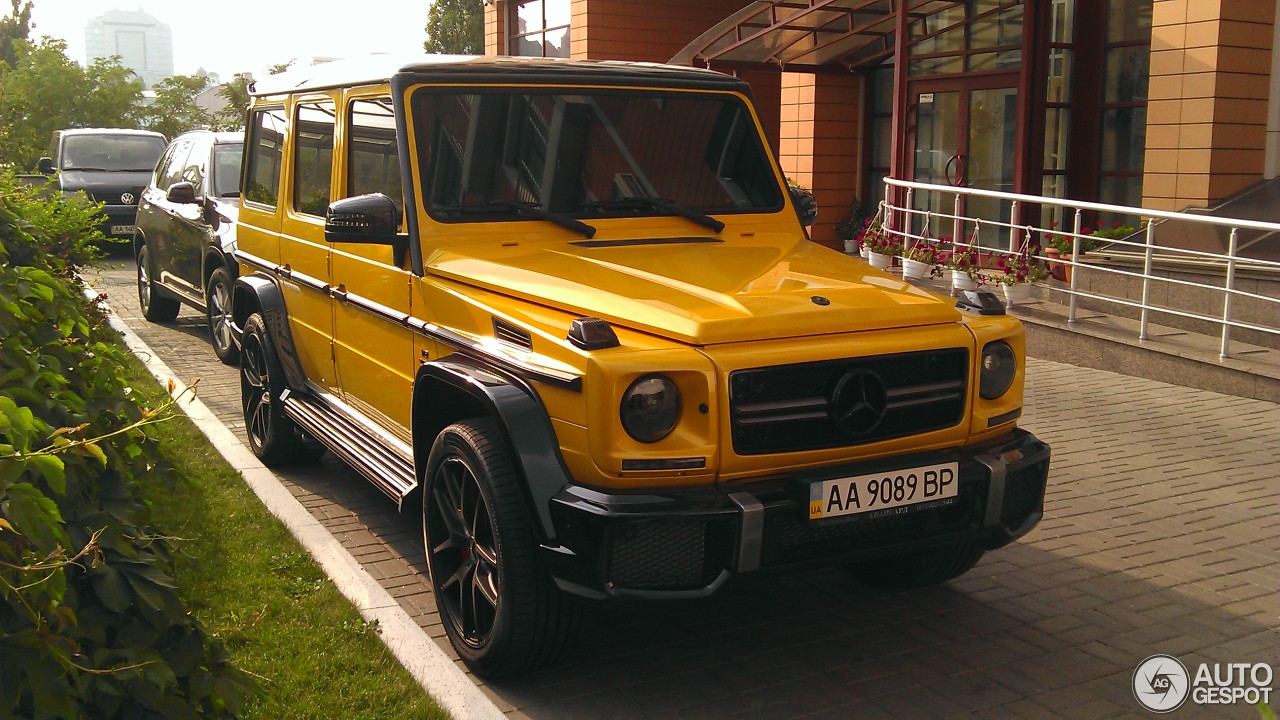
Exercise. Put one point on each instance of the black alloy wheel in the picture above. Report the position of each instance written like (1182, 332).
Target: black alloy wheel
(500, 607)
(273, 436)
(218, 310)
(155, 307)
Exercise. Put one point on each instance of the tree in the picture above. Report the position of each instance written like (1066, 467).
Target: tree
(114, 97)
(13, 28)
(174, 110)
(46, 91)
(280, 67)
(236, 95)
(455, 27)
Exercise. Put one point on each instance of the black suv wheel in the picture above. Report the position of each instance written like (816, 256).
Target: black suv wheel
(218, 310)
(500, 607)
(155, 307)
(273, 436)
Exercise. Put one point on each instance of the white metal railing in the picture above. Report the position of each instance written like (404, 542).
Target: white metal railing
(901, 220)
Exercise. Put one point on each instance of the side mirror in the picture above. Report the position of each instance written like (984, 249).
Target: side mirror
(182, 193)
(806, 206)
(372, 219)
(45, 166)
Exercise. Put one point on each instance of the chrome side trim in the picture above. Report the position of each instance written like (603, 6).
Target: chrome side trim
(523, 366)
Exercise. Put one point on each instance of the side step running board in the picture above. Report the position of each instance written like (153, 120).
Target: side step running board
(388, 469)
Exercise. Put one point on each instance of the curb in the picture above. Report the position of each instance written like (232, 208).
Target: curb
(448, 684)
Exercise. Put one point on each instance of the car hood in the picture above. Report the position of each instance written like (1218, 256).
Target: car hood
(104, 184)
(702, 290)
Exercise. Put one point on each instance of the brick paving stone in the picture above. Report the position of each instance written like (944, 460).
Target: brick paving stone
(1160, 536)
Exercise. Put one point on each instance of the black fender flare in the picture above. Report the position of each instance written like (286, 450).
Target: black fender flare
(456, 387)
(258, 293)
(215, 258)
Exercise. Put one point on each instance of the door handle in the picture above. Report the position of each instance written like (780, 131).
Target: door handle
(956, 178)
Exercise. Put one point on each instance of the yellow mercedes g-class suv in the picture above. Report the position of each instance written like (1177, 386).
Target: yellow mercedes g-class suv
(571, 308)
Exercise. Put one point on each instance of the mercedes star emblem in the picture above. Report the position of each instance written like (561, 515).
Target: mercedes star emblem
(859, 402)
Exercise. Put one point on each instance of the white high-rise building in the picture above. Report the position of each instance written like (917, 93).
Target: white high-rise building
(144, 44)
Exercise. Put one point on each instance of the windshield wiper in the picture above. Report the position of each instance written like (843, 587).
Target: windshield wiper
(525, 209)
(640, 202)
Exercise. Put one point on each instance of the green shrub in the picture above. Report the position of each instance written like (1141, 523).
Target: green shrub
(91, 623)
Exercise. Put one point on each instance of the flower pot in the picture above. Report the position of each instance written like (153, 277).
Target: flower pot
(960, 280)
(914, 269)
(879, 260)
(864, 252)
(1017, 293)
(850, 245)
(1057, 270)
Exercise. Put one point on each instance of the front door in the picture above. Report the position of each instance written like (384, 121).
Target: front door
(965, 136)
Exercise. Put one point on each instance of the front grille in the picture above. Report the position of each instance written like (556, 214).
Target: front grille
(1023, 491)
(113, 198)
(791, 538)
(669, 554)
(796, 407)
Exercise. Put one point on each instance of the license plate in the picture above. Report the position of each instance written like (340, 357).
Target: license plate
(121, 229)
(885, 493)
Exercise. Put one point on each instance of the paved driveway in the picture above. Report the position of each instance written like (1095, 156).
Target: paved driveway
(1161, 536)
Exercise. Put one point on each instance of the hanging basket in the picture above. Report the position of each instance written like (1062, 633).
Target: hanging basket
(879, 260)
(915, 269)
(960, 280)
(1017, 293)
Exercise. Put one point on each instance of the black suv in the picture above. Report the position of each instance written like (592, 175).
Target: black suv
(185, 237)
(109, 165)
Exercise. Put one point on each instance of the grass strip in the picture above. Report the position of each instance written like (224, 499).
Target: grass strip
(253, 585)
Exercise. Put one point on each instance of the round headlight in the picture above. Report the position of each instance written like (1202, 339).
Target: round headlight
(998, 368)
(650, 408)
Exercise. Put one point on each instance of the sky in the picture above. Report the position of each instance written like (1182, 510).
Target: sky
(230, 36)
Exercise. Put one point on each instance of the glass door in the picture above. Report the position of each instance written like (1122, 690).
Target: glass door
(965, 136)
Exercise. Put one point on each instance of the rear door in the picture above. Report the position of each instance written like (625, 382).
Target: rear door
(157, 217)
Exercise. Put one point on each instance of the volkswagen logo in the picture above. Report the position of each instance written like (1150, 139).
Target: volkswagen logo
(858, 404)
(127, 198)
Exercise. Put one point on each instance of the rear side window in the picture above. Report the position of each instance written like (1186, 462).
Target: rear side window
(170, 168)
(194, 170)
(313, 164)
(266, 149)
(374, 164)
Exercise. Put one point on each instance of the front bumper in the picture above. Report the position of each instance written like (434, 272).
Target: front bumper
(118, 216)
(688, 545)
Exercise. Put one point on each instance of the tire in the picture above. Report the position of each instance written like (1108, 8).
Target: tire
(273, 436)
(919, 569)
(499, 606)
(218, 312)
(155, 307)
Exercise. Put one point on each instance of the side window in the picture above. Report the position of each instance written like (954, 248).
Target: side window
(194, 169)
(313, 161)
(265, 151)
(171, 170)
(374, 162)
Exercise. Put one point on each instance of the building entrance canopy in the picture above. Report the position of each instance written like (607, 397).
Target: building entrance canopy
(805, 35)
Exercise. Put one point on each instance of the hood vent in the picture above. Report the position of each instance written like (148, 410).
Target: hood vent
(512, 335)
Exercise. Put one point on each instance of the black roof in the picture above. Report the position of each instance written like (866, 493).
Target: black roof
(462, 68)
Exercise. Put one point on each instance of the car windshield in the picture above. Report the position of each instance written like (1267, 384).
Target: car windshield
(111, 152)
(226, 169)
(587, 153)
